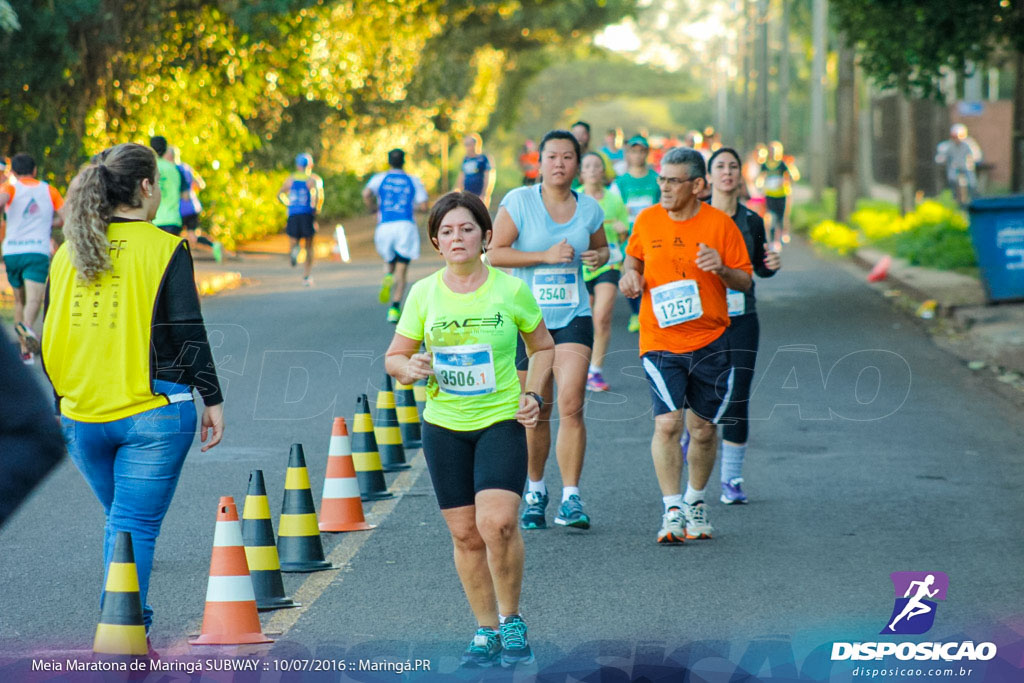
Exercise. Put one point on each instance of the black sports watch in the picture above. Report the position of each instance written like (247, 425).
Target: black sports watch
(535, 395)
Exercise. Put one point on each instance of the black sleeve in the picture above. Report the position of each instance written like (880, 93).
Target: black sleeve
(756, 225)
(181, 348)
(30, 440)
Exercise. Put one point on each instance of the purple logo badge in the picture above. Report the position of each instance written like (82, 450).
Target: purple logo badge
(916, 592)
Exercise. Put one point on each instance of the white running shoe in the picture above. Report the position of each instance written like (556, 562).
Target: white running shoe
(697, 524)
(673, 527)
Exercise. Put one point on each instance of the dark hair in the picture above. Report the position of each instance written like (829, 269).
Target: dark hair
(724, 150)
(452, 201)
(561, 135)
(396, 158)
(111, 179)
(690, 158)
(582, 123)
(159, 144)
(22, 164)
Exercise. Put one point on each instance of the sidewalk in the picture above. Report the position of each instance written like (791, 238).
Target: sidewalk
(989, 338)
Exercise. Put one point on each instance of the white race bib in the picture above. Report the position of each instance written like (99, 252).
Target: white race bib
(466, 370)
(773, 182)
(556, 287)
(614, 253)
(676, 302)
(737, 302)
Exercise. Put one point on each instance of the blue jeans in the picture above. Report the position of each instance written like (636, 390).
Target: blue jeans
(133, 465)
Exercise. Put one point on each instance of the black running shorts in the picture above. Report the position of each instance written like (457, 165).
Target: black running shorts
(462, 464)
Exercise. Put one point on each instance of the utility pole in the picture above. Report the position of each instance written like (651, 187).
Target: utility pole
(816, 146)
(746, 42)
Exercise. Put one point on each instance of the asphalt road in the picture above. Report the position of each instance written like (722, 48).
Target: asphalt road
(872, 451)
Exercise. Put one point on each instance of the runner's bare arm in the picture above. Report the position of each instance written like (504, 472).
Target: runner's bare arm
(632, 281)
(597, 252)
(369, 198)
(540, 348)
(404, 362)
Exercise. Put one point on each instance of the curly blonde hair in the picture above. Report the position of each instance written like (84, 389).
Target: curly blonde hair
(111, 179)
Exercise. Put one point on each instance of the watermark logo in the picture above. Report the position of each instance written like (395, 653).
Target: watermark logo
(914, 610)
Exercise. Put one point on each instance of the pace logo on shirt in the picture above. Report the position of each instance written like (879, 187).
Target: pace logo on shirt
(497, 320)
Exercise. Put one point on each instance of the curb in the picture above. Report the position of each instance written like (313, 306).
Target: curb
(210, 284)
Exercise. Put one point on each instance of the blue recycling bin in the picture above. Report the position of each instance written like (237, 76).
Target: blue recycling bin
(997, 232)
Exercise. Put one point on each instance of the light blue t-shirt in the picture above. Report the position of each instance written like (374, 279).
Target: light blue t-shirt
(559, 289)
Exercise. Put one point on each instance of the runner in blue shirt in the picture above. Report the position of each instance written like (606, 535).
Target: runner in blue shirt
(545, 233)
(477, 173)
(396, 195)
(303, 194)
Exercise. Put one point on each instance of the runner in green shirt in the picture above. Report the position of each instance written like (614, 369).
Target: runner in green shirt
(470, 315)
(603, 283)
(638, 187)
(168, 214)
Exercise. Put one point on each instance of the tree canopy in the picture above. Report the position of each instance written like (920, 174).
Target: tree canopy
(241, 87)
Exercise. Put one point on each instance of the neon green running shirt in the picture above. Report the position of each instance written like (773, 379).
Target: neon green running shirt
(614, 211)
(472, 338)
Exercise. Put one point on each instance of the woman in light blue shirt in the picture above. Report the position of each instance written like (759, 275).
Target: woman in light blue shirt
(545, 233)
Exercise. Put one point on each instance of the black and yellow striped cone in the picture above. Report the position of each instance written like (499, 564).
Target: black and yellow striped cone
(121, 631)
(419, 390)
(260, 549)
(408, 415)
(387, 431)
(365, 457)
(298, 538)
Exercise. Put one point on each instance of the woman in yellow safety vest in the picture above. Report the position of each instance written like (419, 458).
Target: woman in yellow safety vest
(124, 344)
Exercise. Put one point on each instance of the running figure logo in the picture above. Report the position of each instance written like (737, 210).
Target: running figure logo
(914, 611)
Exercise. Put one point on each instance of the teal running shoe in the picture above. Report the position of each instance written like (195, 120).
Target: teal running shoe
(533, 515)
(570, 513)
(484, 650)
(515, 648)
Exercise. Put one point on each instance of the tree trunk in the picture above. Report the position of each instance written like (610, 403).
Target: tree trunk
(762, 71)
(749, 127)
(1017, 162)
(865, 137)
(907, 145)
(784, 136)
(816, 145)
(846, 132)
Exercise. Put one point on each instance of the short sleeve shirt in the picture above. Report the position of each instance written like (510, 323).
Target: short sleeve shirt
(473, 169)
(397, 193)
(493, 315)
(638, 193)
(537, 232)
(614, 211)
(668, 249)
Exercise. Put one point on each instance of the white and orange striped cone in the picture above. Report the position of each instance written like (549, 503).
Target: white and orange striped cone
(341, 508)
(230, 617)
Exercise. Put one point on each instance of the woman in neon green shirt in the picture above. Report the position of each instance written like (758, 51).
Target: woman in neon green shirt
(470, 315)
(603, 282)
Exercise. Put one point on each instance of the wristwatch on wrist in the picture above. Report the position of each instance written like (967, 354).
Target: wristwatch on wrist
(536, 396)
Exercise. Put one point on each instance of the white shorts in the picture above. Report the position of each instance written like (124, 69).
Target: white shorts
(397, 238)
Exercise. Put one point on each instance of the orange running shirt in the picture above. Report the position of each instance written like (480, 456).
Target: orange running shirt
(668, 249)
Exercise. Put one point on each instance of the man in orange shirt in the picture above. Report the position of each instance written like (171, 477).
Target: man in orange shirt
(682, 256)
(33, 209)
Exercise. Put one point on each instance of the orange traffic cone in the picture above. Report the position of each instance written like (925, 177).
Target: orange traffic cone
(881, 269)
(387, 431)
(408, 415)
(340, 507)
(230, 617)
(365, 457)
(298, 537)
(121, 630)
(260, 548)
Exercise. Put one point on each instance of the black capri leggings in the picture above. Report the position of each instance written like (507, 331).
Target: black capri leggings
(743, 334)
(462, 464)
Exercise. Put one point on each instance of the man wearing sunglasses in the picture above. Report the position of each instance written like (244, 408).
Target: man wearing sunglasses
(682, 256)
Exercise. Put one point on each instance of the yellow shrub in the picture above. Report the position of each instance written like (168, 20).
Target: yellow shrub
(877, 224)
(835, 236)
